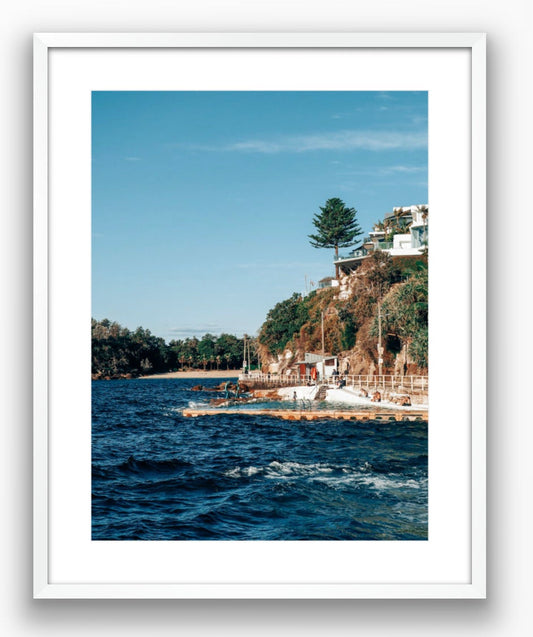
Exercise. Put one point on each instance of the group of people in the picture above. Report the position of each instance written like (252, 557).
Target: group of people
(401, 399)
(375, 398)
(340, 382)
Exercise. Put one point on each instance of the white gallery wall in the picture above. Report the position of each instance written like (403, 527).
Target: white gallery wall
(510, 425)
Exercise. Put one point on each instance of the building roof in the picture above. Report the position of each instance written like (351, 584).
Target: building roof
(316, 358)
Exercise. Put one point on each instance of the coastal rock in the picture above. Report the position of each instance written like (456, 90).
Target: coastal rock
(222, 385)
(266, 393)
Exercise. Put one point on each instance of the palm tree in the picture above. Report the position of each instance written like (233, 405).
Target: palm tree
(388, 227)
(401, 223)
(425, 213)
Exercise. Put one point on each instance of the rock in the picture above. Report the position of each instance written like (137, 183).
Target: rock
(266, 393)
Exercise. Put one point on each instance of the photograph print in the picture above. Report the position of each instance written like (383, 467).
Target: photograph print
(259, 315)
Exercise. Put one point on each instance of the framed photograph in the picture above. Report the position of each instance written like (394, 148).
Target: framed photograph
(254, 378)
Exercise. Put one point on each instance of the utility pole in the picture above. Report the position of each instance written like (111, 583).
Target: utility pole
(380, 347)
(322, 316)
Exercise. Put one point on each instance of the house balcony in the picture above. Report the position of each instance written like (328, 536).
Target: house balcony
(356, 254)
(363, 253)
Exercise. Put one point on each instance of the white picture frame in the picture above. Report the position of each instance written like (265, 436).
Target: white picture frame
(52, 288)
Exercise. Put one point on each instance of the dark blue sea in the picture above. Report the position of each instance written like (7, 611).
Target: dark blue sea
(157, 475)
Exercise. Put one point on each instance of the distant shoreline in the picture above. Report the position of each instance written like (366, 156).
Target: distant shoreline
(214, 373)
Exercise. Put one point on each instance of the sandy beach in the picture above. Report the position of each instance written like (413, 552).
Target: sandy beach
(214, 373)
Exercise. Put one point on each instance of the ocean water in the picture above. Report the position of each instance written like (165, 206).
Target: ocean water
(157, 475)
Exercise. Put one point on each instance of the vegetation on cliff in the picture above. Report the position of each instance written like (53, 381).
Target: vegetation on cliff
(350, 316)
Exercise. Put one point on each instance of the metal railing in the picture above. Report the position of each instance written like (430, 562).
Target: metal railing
(347, 257)
(392, 382)
(357, 254)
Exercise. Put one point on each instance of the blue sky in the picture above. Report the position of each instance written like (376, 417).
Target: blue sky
(202, 202)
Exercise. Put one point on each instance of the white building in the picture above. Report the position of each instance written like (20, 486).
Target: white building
(325, 365)
(414, 219)
(407, 227)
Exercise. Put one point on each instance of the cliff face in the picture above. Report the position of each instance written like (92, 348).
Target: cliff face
(395, 289)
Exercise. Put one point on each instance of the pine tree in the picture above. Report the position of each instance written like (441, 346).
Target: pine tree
(337, 227)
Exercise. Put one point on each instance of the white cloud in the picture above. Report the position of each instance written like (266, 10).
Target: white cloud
(385, 171)
(404, 169)
(276, 266)
(345, 140)
(199, 330)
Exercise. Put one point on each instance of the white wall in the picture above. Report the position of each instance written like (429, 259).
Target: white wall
(401, 241)
(507, 611)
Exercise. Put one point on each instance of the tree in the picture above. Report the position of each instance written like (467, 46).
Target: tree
(230, 348)
(405, 314)
(380, 273)
(206, 349)
(283, 321)
(336, 226)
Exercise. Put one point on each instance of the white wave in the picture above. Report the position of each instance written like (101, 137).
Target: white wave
(233, 473)
(173, 410)
(280, 470)
(319, 472)
(386, 483)
(237, 472)
(251, 471)
(284, 469)
(377, 482)
(197, 405)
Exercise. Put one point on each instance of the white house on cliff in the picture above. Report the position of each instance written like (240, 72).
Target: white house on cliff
(403, 232)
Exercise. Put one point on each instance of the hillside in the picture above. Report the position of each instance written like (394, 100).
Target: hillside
(351, 325)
